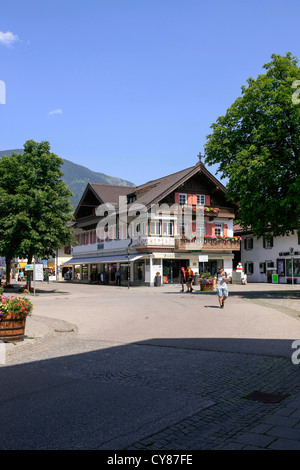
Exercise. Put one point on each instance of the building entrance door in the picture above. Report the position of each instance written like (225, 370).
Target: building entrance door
(171, 270)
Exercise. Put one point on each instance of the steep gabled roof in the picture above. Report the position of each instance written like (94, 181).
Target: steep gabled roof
(103, 193)
(148, 193)
(154, 191)
(110, 192)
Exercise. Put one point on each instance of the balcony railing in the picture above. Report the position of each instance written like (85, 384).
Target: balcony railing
(208, 244)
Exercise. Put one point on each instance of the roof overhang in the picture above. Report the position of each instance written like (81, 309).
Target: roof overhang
(103, 259)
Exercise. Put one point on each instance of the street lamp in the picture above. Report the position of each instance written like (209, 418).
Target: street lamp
(128, 267)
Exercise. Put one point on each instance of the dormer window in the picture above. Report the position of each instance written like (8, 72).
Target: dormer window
(131, 199)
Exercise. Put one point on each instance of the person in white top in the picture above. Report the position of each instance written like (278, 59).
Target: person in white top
(221, 286)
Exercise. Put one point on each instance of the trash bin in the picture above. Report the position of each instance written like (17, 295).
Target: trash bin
(157, 281)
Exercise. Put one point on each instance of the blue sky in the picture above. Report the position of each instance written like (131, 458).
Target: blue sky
(130, 88)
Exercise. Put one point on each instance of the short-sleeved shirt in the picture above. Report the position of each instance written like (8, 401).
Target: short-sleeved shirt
(221, 280)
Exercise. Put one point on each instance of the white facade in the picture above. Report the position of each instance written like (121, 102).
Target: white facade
(262, 258)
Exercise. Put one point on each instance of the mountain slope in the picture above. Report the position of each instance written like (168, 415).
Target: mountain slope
(77, 177)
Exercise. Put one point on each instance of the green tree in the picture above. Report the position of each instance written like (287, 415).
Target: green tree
(257, 146)
(34, 204)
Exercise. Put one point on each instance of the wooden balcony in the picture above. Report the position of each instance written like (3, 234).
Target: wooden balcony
(207, 244)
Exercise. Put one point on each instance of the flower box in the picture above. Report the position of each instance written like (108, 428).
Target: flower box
(13, 313)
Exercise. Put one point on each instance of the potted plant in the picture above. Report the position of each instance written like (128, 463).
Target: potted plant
(13, 313)
(206, 282)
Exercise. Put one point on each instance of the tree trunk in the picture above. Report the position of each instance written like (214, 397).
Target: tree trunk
(8, 269)
(28, 279)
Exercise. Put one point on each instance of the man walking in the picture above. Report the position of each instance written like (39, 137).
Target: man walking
(182, 278)
(118, 278)
(221, 286)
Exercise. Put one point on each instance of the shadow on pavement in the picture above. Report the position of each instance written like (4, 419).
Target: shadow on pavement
(111, 397)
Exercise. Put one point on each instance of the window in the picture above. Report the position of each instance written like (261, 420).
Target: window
(85, 238)
(140, 229)
(201, 199)
(182, 198)
(262, 268)
(268, 242)
(67, 250)
(183, 228)
(155, 228)
(200, 230)
(93, 237)
(168, 228)
(219, 230)
(248, 243)
(249, 269)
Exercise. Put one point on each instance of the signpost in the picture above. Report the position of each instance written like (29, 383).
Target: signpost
(292, 260)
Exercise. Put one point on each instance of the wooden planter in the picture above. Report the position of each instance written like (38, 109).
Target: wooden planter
(207, 287)
(12, 330)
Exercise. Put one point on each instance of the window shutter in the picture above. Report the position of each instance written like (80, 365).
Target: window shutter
(271, 242)
(82, 239)
(210, 229)
(176, 198)
(225, 232)
(192, 199)
(245, 243)
(207, 200)
(251, 243)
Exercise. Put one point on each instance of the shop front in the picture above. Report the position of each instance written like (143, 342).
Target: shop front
(172, 270)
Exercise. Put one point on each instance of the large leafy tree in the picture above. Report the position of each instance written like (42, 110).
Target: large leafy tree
(257, 146)
(34, 204)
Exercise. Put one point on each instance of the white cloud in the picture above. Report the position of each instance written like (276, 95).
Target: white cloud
(55, 111)
(8, 38)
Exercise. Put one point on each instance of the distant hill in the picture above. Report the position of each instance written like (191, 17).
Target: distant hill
(78, 176)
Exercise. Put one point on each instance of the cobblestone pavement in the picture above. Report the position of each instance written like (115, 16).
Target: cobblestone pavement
(230, 422)
(220, 381)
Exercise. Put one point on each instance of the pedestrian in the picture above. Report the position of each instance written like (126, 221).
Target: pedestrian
(118, 278)
(189, 279)
(221, 286)
(182, 278)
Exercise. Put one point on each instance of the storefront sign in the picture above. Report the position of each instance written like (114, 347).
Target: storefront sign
(38, 273)
(203, 258)
(168, 256)
(153, 241)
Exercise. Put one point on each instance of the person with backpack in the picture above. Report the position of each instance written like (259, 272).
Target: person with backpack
(189, 279)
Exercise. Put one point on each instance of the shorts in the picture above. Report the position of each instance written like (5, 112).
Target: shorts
(222, 291)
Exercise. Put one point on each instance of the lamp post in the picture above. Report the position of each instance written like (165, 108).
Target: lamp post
(128, 267)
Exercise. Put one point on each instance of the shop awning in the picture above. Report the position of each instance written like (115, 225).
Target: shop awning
(22, 265)
(103, 259)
